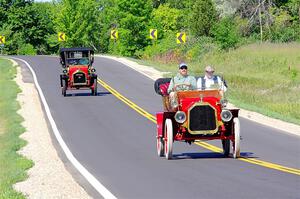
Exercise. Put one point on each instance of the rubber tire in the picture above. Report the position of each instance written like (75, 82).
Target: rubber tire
(95, 88)
(226, 147)
(160, 147)
(168, 138)
(237, 137)
(64, 88)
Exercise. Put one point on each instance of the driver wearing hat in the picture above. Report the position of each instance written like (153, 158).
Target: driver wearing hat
(181, 82)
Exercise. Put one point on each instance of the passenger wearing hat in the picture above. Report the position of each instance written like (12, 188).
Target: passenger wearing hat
(211, 81)
(181, 82)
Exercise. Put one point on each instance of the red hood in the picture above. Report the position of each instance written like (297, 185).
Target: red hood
(73, 69)
(187, 99)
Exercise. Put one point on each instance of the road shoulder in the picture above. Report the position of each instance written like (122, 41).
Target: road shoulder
(48, 178)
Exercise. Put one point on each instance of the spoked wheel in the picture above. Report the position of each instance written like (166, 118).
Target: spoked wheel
(168, 144)
(226, 147)
(236, 143)
(160, 146)
(64, 88)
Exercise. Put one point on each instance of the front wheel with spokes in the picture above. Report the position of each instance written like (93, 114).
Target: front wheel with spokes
(237, 137)
(168, 138)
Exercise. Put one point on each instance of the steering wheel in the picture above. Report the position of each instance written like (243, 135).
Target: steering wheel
(182, 86)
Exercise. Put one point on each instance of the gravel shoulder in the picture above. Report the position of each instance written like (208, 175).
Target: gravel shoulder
(48, 178)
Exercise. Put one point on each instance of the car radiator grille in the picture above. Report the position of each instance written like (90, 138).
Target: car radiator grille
(202, 118)
(79, 78)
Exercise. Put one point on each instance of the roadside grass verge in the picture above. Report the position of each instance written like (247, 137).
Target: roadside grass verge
(12, 165)
(264, 78)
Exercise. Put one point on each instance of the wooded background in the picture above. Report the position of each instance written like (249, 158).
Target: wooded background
(32, 27)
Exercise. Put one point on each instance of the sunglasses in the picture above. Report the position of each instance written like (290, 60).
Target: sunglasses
(183, 67)
(210, 71)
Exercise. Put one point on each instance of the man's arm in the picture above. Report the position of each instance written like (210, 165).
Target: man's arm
(222, 84)
(193, 83)
(199, 84)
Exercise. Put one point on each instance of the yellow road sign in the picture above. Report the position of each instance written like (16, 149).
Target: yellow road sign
(2, 39)
(61, 36)
(181, 37)
(153, 33)
(114, 34)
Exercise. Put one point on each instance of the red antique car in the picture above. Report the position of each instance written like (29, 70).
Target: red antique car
(78, 72)
(200, 115)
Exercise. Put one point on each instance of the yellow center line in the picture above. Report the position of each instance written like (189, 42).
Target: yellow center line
(128, 102)
(202, 144)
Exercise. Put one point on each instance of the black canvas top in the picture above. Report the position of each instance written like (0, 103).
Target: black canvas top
(76, 49)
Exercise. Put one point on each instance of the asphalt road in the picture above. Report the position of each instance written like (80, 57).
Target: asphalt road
(117, 145)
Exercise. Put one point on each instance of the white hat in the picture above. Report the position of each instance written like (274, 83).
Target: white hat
(182, 64)
(209, 69)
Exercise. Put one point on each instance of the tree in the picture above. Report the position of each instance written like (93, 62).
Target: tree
(202, 17)
(225, 33)
(227, 7)
(131, 19)
(26, 26)
(157, 3)
(274, 20)
(166, 19)
(294, 9)
(180, 4)
(78, 19)
(5, 6)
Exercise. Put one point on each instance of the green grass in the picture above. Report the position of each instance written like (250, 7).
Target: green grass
(12, 165)
(262, 77)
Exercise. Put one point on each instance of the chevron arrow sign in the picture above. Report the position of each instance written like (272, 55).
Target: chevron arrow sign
(181, 37)
(61, 36)
(153, 33)
(114, 34)
(2, 39)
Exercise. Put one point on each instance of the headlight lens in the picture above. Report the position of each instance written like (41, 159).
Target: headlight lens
(93, 70)
(224, 102)
(65, 71)
(226, 115)
(180, 116)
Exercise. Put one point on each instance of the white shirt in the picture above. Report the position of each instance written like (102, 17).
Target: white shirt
(210, 84)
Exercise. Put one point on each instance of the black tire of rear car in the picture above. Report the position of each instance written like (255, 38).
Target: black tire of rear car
(94, 91)
(64, 87)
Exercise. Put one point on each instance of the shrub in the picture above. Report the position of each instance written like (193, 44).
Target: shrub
(26, 49)
(225, 33)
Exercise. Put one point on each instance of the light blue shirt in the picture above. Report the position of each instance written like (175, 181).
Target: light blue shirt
(179, 79)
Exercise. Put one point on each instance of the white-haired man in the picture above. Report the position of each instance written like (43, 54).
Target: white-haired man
(211, 81)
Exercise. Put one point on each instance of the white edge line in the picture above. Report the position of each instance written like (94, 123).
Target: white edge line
(89, 177)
